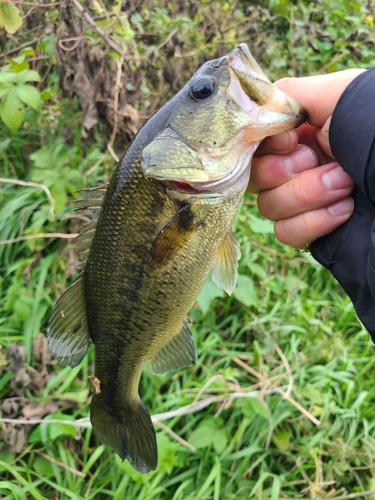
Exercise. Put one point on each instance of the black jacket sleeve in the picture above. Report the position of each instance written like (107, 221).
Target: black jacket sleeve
(349, 251)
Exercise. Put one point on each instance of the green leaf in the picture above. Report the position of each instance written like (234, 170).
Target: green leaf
(29, 95)
(7, 76)
(257, 269)
(28, 75)
(125, 30)
(43, 466)
(245, 291)
(42, 158)
(168, 455)
(10, 18)
(18, 64)
(258, 225)
(252, 407)
(5, 88)
(282, 439)
(58, 193)
(7, 457)
(209, 434)
(57, 430)
(44, 433)
(312, 394)
(18, 60)
(220, 441)
(18, 68)
(46, 95)
(208, 293)
(47, 45)
(22, 309)
(12, 111)
(28, 51)
(4, 144)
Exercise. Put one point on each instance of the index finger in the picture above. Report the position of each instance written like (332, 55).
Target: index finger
(318, 94)
(280, 144)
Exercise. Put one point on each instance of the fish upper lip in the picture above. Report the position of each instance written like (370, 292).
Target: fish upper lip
(259, 90)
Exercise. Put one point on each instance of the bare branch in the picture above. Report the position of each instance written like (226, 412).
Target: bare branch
(169, 431)
(32, 4)
(61, 464)
(96, 28)
(34, 184)
(40, 235)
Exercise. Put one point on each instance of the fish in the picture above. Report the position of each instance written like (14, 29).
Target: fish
(158, 228)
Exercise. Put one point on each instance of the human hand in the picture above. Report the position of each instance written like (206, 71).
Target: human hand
(300, 185)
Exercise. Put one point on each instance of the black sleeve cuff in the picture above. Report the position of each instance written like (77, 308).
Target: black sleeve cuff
(349, 254)
(352, 132)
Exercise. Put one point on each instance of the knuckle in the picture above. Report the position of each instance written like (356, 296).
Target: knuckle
(266, 205)
(301, 190)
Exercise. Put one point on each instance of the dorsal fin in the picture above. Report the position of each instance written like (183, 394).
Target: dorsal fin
(68, 330)
(224, 272)
(92, 200)
(177, 353)
(86, 230)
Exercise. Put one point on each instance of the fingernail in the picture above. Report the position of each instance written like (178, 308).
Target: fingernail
(301, 159)
(336, 179)
(342, 207)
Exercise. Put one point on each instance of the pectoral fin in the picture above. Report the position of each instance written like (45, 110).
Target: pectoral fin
(224, 272)
(173, 237)
(68, 331)
(177, 353)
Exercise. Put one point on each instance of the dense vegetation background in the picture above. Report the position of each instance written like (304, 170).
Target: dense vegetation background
(281, 402)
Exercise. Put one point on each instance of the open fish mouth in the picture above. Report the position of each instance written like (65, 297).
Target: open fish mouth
(186, 188)
(249, 87)
(226, 110)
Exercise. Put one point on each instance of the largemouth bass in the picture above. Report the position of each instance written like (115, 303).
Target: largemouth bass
(157, 230)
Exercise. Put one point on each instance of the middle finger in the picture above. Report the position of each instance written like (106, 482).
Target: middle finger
(312, 189)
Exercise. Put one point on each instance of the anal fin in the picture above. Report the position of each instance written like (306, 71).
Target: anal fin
(68, 331)
(179, 352)
(225, 270)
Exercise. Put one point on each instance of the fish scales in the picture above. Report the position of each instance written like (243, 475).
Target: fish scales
(163, 225)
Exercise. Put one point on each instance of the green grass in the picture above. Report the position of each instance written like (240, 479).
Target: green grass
(300, 336)
(286, 373)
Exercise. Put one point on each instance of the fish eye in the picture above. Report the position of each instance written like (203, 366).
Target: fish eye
(202, 88)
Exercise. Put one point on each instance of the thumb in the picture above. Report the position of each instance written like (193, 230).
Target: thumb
(318, 94)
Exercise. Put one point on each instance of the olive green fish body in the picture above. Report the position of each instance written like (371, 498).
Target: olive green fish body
(137, 301)
(158, 229)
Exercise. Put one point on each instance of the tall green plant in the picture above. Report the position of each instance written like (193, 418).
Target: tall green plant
(17, 93)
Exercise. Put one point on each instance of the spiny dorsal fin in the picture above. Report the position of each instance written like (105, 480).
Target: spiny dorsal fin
(177, 353)
(87, 230)
(92, 199)
(68, 331)
(84, 240)
(224, 272)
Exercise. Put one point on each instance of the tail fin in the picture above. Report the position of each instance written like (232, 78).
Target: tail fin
(129, 433)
